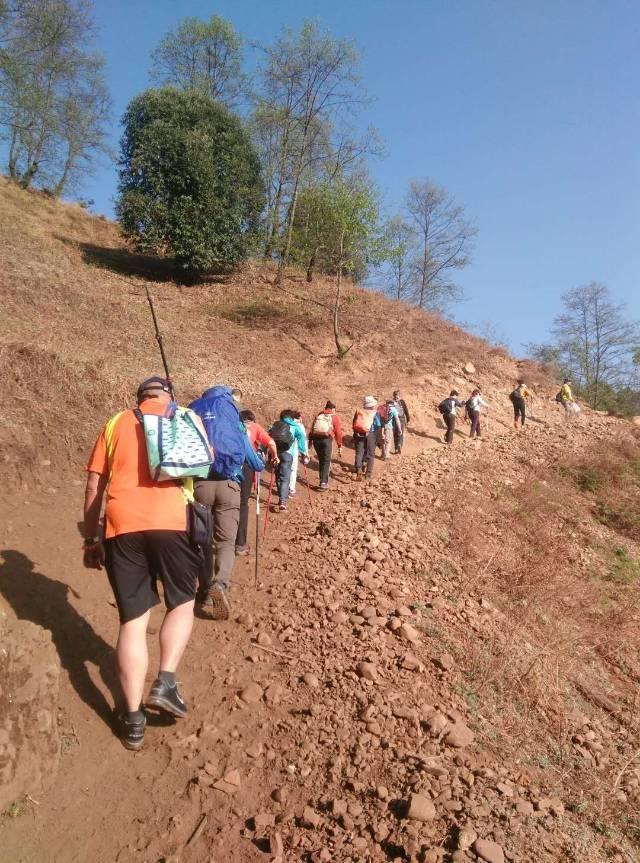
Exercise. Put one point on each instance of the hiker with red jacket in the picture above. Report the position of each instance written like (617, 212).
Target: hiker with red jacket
(326, 428)
(366, 425)
(261, 441)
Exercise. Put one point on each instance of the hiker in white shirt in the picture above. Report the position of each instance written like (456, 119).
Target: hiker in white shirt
(474, 403)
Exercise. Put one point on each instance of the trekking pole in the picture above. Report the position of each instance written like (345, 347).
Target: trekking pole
(160, 344)
(306, 479)
(257, 482)
(266, 518)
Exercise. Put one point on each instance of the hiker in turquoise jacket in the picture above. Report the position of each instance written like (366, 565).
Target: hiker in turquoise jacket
(286, 456)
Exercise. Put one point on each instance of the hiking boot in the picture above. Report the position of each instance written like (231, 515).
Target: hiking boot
(242, 550)
(130, 731)
(324, 486)
(282, 508)
(167, 697)
(292, 492)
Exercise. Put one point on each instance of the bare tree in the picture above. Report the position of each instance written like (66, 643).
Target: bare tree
(309, 81)
(400, 238)
(204, 56)
(446, 240)
(594, 341)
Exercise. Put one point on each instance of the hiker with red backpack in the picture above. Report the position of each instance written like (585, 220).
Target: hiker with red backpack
(326, 428)
(261, 442)
(366, 425)
(286, 433)
(220, 491)
(389, 427)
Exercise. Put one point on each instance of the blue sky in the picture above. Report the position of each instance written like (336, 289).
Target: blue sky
(527, 111)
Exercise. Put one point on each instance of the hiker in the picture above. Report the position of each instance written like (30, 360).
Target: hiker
(220, 491)
(405, 418)
(519, 397)
(145, 540)
(448, 408)
(472, 408)
(286, 433)
(260, 441)
(571, 408)
(366, 425)
(297, 416)
(389, 427)
(326, 428)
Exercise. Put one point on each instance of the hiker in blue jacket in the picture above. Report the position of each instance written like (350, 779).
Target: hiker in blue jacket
(287, 434)
(227, 435)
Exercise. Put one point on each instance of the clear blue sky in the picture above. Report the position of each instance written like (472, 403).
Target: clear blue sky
(528, 112)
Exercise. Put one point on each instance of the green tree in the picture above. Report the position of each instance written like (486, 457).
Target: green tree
(309, 84)
(54, 103)
(190, 182)
(202, 55)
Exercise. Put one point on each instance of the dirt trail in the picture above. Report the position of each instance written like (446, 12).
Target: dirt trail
(357, 705)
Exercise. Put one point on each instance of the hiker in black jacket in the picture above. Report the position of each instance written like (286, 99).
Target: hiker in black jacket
(448, 408)
(404, 418)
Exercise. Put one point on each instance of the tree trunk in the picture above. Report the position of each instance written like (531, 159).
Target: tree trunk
(13, 155)
(342, 351)
(62, 182)
(311, 265)
(292, 207)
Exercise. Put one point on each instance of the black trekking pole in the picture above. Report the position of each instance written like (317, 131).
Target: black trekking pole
(257, 478)
(160, 344)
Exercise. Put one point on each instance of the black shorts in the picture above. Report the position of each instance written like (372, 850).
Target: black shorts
(135, 561)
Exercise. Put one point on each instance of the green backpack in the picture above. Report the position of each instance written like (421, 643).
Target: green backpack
(177, 446)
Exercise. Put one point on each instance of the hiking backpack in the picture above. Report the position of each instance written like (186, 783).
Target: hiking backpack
(363, 420)
(445, 406)
(385, 413)
(219, 414)
(516, 396)
(282, 435)
(322, 426)
(176, 446)
(559, 398)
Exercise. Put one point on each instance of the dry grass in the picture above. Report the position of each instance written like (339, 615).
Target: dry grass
(559, 659)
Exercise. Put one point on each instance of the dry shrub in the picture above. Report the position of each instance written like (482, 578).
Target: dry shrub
(564, 637)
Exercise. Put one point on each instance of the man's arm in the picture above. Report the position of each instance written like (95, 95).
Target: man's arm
(94, 493)
(406, 411)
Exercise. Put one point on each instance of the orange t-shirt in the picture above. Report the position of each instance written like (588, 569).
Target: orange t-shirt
(134, 501)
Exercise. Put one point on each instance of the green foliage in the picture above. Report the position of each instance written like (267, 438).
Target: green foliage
(190, 182)
(202, 55)
(624, 569)
(54, 103)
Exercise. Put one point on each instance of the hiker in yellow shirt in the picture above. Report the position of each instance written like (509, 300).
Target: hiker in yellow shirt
(571, 409)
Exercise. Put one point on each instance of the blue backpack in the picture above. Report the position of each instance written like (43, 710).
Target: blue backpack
(219, 414)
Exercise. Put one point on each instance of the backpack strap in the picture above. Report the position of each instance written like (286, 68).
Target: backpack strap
(108, 438)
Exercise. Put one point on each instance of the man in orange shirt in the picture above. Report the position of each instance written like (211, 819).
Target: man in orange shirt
(145, 539)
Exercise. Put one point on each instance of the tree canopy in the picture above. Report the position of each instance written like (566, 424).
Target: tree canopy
(190, 181)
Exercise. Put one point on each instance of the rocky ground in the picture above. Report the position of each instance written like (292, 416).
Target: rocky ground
(332, 718)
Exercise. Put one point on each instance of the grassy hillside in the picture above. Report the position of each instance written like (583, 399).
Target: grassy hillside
(77, 336)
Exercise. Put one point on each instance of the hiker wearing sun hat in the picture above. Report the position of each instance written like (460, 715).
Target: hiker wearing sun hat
(366, 425)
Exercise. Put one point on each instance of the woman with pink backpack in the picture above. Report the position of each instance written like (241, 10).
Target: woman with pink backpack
(326, 428)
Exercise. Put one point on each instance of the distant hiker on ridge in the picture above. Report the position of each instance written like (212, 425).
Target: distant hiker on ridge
(448, 408)
(260, 440)
(567, 401)
(146, 540)
(326, 428)
(519, 397)
(366, 425)
(474, 403)
(405, 418)
(221, 493)
(285, 433)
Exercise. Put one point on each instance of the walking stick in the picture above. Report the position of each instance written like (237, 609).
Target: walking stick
(306, 479)
(487, 418)
(257, 481)
(266, 518)
(160, 343)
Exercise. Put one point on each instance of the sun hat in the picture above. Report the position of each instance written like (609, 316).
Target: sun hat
(370, 402)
